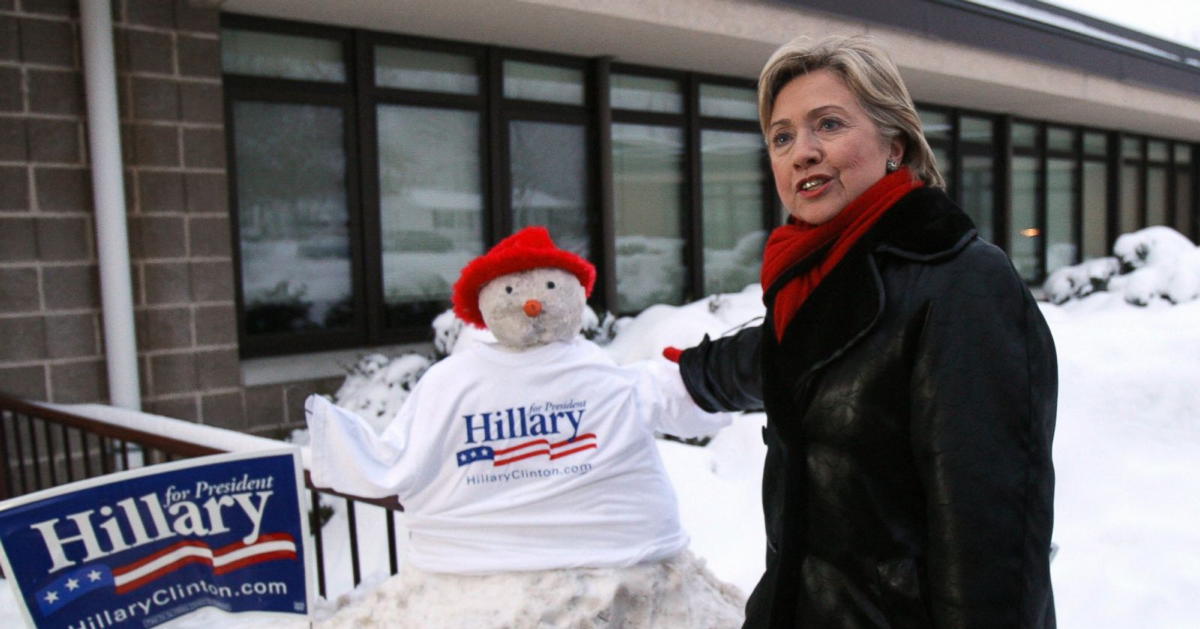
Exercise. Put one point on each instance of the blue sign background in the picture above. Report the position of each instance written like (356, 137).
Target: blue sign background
(201, 559)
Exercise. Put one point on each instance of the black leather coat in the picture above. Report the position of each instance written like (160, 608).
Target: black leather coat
(910, 412)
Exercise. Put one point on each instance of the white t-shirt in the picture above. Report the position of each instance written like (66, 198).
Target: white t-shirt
(528, 460)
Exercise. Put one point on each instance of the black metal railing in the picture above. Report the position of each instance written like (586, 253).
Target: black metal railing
(45, 447)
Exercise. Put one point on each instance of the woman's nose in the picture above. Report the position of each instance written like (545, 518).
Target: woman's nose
(533, 308)
(806, 150)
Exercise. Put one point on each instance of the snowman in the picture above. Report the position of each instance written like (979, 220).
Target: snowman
(533, 491)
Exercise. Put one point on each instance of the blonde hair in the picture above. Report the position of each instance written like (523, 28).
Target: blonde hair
(873, 78)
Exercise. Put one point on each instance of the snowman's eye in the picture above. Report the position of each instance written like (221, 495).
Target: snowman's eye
(508, 289)
(549, 284)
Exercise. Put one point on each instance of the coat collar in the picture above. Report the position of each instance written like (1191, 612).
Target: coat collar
(923, 226)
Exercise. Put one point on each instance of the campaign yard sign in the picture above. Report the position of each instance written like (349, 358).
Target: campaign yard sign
(138, 548)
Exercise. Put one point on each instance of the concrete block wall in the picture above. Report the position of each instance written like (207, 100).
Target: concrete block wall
(173, 142)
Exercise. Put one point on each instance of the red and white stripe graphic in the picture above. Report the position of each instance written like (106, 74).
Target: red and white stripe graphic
(222, 560)
(539, 447)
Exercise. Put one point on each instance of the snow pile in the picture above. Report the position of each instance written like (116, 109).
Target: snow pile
(660, 594)
(1125, 453)
(1153, 263)
(377, 386)
(659, 326)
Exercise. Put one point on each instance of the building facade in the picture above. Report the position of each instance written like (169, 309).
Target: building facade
(303, 180)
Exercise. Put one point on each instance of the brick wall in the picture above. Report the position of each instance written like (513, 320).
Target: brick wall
(51, 337)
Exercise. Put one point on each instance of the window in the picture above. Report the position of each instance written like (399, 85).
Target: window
(1185, 191)
(369, 168)
(1062, 172)
(685, 150)
(1025, 210)
(976, 190)
(1095, 195)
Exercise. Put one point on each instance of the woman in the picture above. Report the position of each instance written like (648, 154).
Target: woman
(908, 377)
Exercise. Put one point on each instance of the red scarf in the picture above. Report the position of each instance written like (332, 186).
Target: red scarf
(796, 240)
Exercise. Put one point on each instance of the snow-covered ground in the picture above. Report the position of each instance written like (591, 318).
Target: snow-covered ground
(1126, 452)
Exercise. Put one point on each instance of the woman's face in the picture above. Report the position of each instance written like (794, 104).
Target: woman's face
(825, 151)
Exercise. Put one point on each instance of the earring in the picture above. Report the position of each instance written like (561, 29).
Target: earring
(892, 166)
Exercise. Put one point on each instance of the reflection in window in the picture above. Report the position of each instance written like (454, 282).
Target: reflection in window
(732, 179)
(292, 216)
(425, 70)
(1184, 221)
(1156, 195)
(549, 181)
(430, 203)
(536, 81)
(648, 208)
(1131, 195)
(645, 93)
(1061, 248)
(935, 124)
(1025, 236)
(281, 56)
(726, 101)
(1095, 209)
(977, 193)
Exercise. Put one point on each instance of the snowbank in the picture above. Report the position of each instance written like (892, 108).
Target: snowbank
(676, 593)
(1147, 265)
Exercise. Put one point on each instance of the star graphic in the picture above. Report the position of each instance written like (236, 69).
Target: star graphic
(72, 584)
(51, 596)
(94, 575)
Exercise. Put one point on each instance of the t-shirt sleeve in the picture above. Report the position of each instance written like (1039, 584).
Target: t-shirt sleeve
(668, 405)
(348, 456)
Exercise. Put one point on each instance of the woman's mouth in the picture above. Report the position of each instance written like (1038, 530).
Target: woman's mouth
(813, 186)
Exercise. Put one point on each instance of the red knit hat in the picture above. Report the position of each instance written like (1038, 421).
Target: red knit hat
(530, 248)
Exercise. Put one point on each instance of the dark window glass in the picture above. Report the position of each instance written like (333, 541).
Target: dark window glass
(1025, 235)
(725, 101)
(648, 208)
(1131, 194)
(935, 124)
(1184, 221)
(1060, 140)
(1095, 209)
(537, 81)
(425, 70)
(978, 193)
(293, 222)
(645, 93)
(1156, 195)
(431, 205)
(734, 235)
(1061, 248)
(281, 56)
(549, 181)
(1024, 135)
(1156, 150)
(1095, 144)
(975, 130)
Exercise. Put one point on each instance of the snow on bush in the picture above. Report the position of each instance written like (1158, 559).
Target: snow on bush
(377, 386)
(659, 326)
(1150, 264)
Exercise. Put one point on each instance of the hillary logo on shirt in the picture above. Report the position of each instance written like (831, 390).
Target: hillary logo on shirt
(551, 430)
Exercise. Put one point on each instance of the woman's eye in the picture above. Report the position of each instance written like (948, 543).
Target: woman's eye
(781, 138)
(508, 289)
(549, 284)
(829, 124)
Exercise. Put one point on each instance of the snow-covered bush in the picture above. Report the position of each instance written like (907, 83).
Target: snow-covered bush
(1150, 264)
(1081, 280)
(1153, 246)
(377, 386)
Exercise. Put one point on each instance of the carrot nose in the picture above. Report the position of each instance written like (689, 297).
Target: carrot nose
(533, 307)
